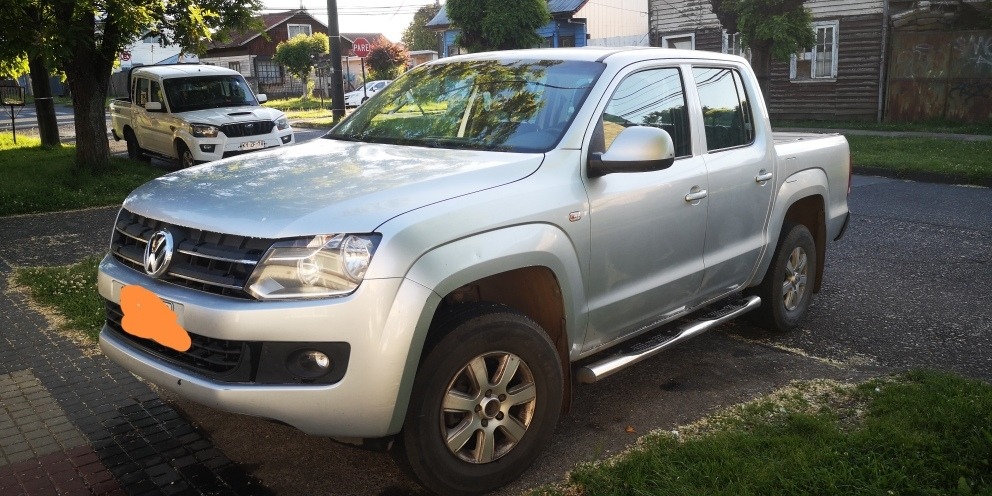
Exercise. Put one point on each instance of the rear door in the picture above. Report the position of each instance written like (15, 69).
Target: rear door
(143, 128)
(739, 163)
(646, 259)
(160, 123)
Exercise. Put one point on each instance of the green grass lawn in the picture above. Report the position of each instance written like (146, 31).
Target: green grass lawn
(298, 108)
(921, 433)
(70, 291)
(924, 126)
(37, 179)
(960, 161)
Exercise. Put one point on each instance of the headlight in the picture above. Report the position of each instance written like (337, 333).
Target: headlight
(282, 123)
(204, 130)
(321, 266)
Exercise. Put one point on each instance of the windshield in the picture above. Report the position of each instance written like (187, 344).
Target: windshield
(517, 106)
(202, 92)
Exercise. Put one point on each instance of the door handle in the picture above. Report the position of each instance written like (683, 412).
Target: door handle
(696, 196)
(763, 177)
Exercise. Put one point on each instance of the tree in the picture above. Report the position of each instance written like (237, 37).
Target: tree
(498, 24)
(84, 38)
(386, 61)
(770, 28)
(299, 55)
(23, 50)
(416, 36)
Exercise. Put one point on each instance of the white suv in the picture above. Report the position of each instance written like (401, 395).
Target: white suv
(195, 113)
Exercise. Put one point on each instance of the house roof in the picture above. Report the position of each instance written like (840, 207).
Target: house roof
(372, 38)
(558, 8)
(269, 21)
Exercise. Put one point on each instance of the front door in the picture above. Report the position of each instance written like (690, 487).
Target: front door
(647, 240)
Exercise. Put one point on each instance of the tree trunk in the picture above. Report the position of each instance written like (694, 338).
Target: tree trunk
(89, 92)
(761, 63)
(87, 69)
(48, 126)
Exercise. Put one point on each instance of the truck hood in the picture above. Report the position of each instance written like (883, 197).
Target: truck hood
(321, 187)
(227, 115)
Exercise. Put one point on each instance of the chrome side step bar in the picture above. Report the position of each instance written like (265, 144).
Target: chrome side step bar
(593, 372)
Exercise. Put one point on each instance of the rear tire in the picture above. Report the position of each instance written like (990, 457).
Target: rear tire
(134, 152)
(787, 288)
(485, 402)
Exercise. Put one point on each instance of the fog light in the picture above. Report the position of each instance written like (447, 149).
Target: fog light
(309, 364)
(207, 148)
(287, 138)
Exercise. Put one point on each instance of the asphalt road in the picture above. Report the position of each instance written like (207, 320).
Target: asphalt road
(907, 287)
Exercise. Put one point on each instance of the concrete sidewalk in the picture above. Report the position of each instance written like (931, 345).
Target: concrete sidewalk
(71, 421)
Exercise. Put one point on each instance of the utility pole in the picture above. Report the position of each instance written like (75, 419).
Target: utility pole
(337, 88)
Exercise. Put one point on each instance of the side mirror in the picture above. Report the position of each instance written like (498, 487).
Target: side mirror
(262, 98)
(635, 149)
(153, 106)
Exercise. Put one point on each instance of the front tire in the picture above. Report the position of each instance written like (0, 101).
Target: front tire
(186, 159)
(787, 289)
(485, 402)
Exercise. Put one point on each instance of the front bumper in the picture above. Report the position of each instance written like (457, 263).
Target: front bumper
(378, 322)
(210, 149)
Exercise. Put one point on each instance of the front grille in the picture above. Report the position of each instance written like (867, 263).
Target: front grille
(217, 358)
(203, 260)
(254, 128)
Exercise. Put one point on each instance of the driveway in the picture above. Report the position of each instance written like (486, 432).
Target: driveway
(907, 287)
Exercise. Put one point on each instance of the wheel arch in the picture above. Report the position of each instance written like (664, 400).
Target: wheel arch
(178, 140)
(531, 269)
(801, 200)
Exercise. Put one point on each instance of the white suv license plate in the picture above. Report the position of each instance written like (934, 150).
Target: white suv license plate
(252, 145)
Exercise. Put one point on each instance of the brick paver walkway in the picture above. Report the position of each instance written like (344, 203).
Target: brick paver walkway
(71, 421)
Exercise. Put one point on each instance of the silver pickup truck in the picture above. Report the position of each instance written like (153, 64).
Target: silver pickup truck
(438, 271)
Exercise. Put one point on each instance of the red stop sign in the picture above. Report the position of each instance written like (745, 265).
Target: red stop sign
(361, 47)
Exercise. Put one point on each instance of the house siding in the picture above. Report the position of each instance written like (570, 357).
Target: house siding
(265, 49)
(243, 61)
(853, 95)
(617, 23)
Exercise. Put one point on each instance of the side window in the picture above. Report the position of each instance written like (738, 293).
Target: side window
(726, 112)
(650, 98)
(156, 94)
(141, 92)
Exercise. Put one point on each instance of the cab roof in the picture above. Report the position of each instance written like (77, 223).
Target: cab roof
(182, 70)
(610, 55)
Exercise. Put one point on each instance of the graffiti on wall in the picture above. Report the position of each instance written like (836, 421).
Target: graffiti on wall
(970, 90)
(975, 49)
(920, 60)
(940, 75)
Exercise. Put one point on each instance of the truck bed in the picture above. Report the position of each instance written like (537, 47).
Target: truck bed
(783, 137)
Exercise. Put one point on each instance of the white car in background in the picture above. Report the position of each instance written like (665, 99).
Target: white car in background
(358, 97)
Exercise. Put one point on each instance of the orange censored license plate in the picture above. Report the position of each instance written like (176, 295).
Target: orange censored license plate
(147, 316)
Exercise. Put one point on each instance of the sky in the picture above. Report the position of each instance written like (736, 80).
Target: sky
(389, 17)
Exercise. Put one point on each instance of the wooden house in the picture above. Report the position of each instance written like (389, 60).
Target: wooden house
(872, 59)
(251, 53)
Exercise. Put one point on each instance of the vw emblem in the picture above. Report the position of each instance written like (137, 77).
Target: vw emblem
(158, 253)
